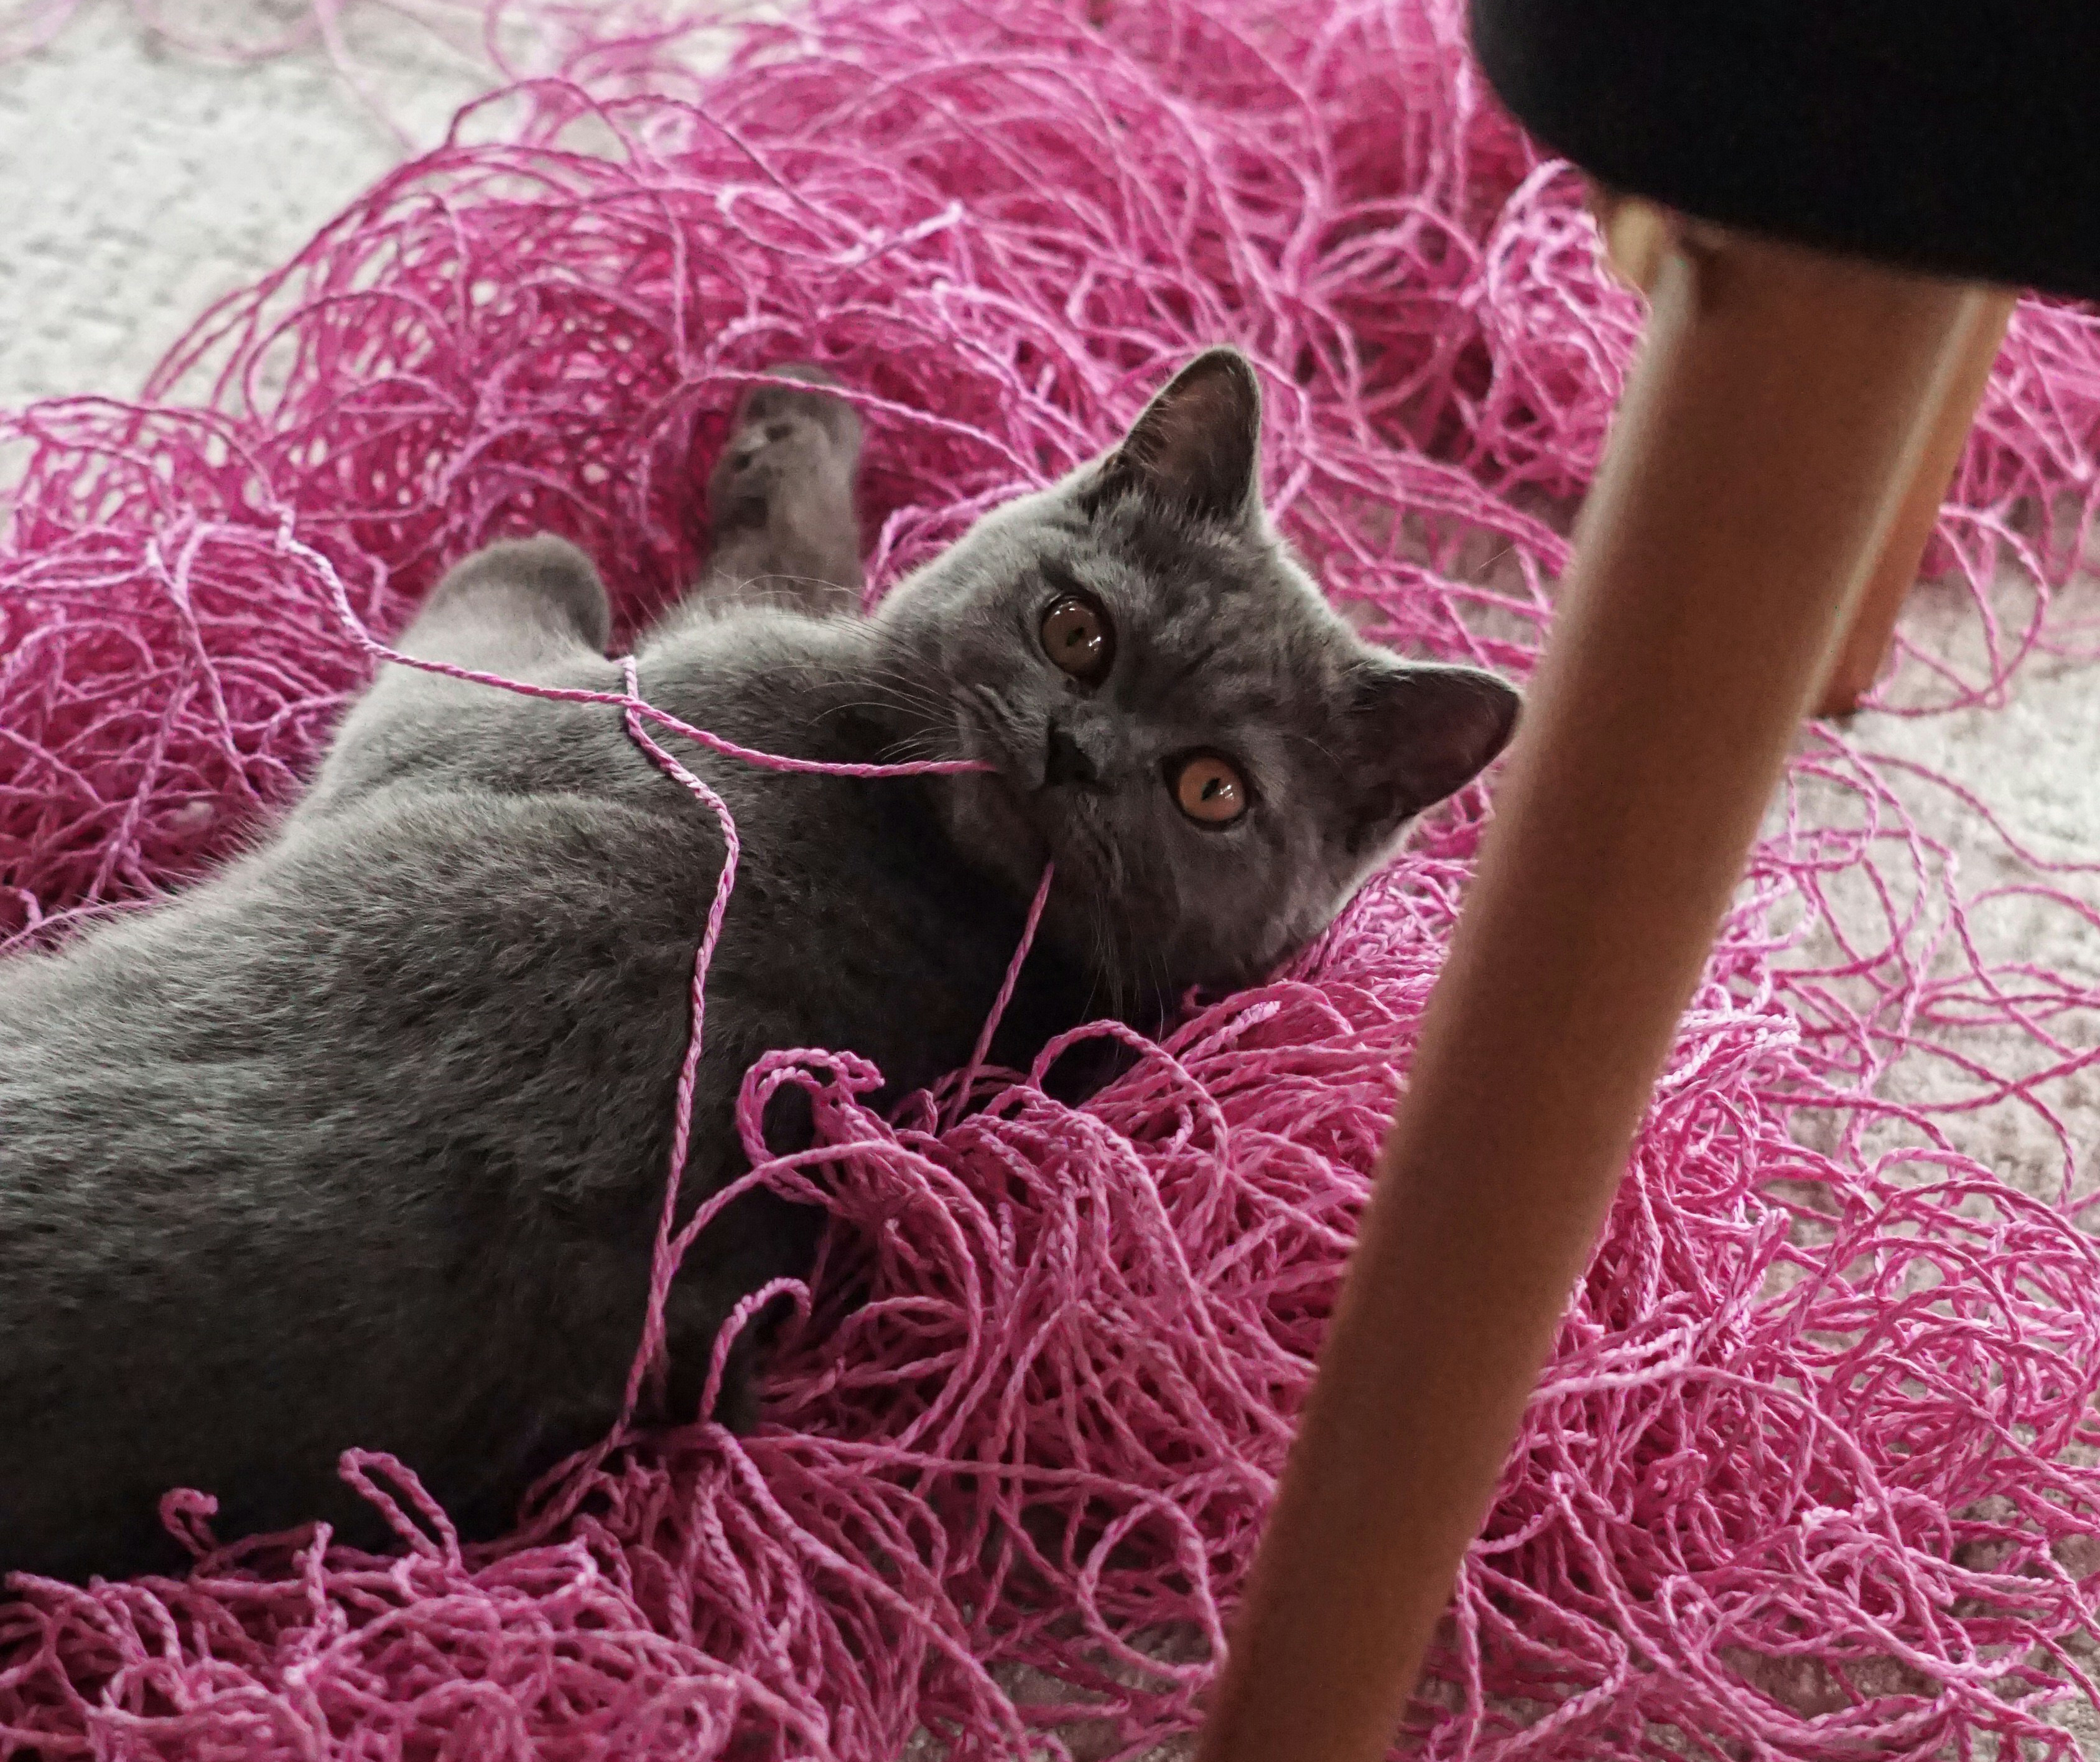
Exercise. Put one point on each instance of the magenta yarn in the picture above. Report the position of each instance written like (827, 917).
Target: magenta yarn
(1812, 1472)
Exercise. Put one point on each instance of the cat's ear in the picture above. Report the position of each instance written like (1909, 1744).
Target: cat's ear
(1415, 735)
(1197, 449)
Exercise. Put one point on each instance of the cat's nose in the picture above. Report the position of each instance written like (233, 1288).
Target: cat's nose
(1065, 760)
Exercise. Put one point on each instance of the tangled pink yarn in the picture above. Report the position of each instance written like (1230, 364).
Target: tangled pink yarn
(1812, 1472)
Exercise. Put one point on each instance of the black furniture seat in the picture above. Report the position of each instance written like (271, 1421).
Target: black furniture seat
(1952, 138)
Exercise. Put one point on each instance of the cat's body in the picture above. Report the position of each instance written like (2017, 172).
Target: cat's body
(403, 1079)
(362, 1142)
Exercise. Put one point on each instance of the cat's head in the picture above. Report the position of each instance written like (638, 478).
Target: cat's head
(1172, 712)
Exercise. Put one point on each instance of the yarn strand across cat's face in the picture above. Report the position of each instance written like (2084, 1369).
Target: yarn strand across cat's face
(339, 600)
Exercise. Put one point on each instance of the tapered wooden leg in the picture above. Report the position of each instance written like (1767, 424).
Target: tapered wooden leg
(1637, 236)
(1866, 643)
(1778, 415)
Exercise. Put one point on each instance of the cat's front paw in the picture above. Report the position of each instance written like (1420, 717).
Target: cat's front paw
(545, 577)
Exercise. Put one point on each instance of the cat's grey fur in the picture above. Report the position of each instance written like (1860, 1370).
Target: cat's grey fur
(360, 1141)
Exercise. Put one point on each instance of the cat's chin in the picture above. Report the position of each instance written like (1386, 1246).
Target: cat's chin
(990, 827)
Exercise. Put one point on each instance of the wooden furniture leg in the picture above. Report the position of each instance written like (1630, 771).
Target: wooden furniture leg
(1637, 236)
(1779, 412)
(1867, 640)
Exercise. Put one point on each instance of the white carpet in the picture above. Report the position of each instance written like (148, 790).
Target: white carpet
(142, 184)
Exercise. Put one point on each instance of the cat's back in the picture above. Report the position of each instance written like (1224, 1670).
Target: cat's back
(279, 1161)
(368, 938)
(298, 1068)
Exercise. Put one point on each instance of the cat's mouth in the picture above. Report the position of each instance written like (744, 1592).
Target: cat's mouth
(1004, 801)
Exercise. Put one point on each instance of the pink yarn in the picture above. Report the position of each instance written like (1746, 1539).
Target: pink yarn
(1811, 1473)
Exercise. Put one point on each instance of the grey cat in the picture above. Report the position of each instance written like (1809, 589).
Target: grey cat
(361, 1141)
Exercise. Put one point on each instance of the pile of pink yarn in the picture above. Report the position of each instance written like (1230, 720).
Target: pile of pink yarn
(1811, 1474)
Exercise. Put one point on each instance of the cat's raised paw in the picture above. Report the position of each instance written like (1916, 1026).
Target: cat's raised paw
(783, 438)
(780, 498)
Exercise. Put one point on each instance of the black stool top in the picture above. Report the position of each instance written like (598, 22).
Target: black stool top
(1957, 136)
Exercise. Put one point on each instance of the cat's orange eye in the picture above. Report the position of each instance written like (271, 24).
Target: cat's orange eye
(1079, 638)
(1209, 790)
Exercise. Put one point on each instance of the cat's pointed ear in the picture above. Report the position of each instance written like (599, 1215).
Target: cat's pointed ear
(1415, 735)
(1197, 449)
